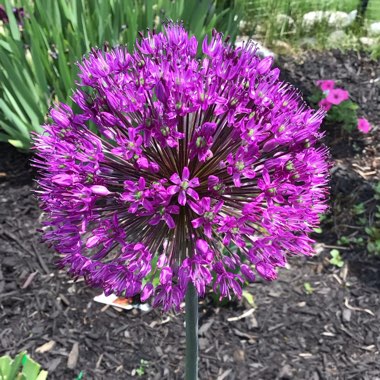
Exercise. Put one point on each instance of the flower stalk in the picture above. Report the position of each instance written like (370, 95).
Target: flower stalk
(191, 318)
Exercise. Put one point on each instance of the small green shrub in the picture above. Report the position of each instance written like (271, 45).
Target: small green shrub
(373, 229)
(341, 110)
(336, 258)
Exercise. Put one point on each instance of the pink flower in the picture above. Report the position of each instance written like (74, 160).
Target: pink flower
(325, 104)
(363, 125)
(337, 96)
(326, 85)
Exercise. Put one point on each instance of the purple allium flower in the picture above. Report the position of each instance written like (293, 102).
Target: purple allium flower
(183, 186)
(204, 170)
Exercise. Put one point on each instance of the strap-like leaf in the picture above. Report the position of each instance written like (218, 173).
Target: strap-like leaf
(5, 361)
(31, 369)
(12, 21)
(16, 365)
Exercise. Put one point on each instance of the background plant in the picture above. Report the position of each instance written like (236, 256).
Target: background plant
(365, 220)
(336, 258)
(278, 21)
(341, 110)
(22, 367)
(373, 228)
(37, 59)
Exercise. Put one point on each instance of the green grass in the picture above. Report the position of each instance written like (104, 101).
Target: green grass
(373, 11)
(264, 25)
(270, 7)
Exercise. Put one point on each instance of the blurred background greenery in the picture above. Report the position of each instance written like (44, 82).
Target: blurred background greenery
(40, 45)
(41, 40)
(311, 23)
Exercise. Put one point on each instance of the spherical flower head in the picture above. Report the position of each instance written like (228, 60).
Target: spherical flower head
(364, 125)
(326, 85)
(203, 170)
(337, 96)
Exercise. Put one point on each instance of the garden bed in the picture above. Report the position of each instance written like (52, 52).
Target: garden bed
(328, 329)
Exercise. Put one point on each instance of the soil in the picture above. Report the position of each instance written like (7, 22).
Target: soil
(316, 322)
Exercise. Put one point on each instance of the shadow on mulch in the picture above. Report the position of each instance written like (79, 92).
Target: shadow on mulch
(15, 169)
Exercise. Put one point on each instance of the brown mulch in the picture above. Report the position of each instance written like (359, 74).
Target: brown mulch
(329, 332)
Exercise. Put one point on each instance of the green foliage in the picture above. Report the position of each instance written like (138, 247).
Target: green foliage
(308, 288)
(373, 243)
(344, 114)
(366, 218)
(298, 6)
(37, 61)
(249, 298)
(278, 21)
(22, 367)
(376, 189)
(373, 230)
(375, 51)
(140, 371)
(359, 209)
(349, 240)
(265, 18)
(336, 258)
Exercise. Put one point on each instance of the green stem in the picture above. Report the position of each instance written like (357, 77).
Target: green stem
(191, 318)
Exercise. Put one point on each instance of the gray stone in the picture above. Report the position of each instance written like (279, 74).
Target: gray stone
(374, 29)
(346, 315)
(336, 38)
(334, 19)
(367, 41)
